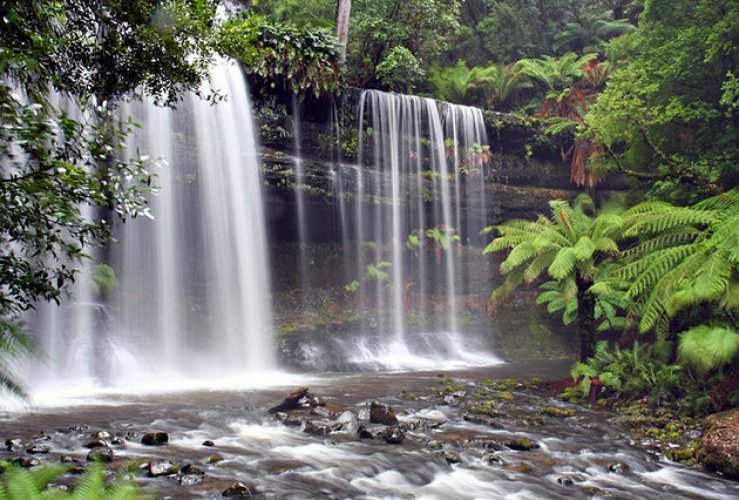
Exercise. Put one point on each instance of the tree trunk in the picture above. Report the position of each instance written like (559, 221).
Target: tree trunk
(586, 319)
(343, 12)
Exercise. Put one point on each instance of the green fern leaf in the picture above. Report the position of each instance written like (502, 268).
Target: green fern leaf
(706, 348)
(584, 249)
(563, 264)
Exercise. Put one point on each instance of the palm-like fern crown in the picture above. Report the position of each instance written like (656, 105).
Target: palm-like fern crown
(684, 256)
(567, 245)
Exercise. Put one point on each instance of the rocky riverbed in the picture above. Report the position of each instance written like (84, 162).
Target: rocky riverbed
(481, 433)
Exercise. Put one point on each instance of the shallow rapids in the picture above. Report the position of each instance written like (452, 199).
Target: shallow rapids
(443, 455)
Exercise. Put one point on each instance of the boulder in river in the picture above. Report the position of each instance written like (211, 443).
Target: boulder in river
(718, 449)
(209, 443)
(522, 444)
(97, 443)
(382, 414)
(394, 435)
(371, 431)
(451, 457)
(100, 454)
(239, 490)
(159, 468)
(295, 400)
(321, 427)
(15, 445)
(155, 438)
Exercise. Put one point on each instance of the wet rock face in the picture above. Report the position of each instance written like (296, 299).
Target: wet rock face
(718, 449)
(155, 438)
(382, 414)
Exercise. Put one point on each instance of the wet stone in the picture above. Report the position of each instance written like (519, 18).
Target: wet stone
(191, 469)
(382, 414)
(38, 449)
(320, 411)
(371, 431)
(296, 399)
(475, 418)
(190, 480)
(321, 427)
(98, 443)
(118, 442)
(214, 459)
(494, 459)
(14, 445)
(100, 454)
(102, 435)
(519, 467)
(155, 438)
(521, 444)
(618, 468)
(451, 457)
(159, 468)
(79, 428)
(237, 490)
(488, 444)
(565, 481)
(394, 435)
(208, 443)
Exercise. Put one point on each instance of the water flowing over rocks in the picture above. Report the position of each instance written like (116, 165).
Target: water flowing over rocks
(434, 449)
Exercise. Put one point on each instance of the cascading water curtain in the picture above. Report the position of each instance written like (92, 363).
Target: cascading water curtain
(192, 283)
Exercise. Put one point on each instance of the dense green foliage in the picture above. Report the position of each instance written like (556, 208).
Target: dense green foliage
(669, 110)
(299, 60)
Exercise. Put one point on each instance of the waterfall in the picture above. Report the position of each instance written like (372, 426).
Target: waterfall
(192, 298)
(416, 165)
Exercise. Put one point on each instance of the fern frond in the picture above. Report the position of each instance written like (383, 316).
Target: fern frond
(723, 201)
(708, 347)
(584, 249)
(646, 207)
(676, 237)
(563, 263)
(606, 245)
(607, 225)
(91, 485)
(660, 222)
(659, 264)
(538, 266)
(520, 255)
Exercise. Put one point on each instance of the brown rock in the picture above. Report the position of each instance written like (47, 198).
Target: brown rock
(382, 414)
(718, 449)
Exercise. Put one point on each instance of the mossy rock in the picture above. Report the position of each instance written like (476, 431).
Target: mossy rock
(522, 444)
(554, 411)
(506, 395)
(718, 449)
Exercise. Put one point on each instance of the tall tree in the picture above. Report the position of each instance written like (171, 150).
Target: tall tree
(343, 13)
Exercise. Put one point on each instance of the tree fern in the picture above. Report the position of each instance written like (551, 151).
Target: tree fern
(563, 245)
(683, 257)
